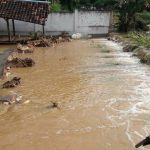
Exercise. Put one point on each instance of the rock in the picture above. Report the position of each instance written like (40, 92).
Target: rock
(10, 99)
(17, 62)
(12, 83)
(146, 59)
(129, 48)
(141, 54)
(29, 62)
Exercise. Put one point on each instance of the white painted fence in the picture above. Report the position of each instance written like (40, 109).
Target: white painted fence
(85, 22)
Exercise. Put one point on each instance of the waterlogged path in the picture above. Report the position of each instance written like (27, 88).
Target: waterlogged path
(103, 94)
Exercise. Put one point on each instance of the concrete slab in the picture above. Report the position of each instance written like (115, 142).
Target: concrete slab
(3, 58)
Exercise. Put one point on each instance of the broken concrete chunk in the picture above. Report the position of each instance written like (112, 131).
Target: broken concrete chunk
(49, 41)
(18, 62)
(12, 83)
(23, 49)
(10, 99)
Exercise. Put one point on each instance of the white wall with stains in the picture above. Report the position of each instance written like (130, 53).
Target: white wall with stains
(85, 22)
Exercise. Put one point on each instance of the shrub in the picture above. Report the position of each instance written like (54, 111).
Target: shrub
(56, 7)
(140, 39)
(142, 20)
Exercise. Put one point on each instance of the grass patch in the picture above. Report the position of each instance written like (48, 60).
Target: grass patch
(56, 7)
(140, 39)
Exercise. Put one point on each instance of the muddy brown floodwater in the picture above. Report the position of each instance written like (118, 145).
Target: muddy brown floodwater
(103, 95)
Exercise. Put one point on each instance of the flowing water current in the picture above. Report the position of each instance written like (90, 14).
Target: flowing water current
(102, 92)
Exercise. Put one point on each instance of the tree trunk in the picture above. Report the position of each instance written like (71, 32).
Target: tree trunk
(126, 20)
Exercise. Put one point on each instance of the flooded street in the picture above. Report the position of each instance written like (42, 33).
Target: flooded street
(103, 95)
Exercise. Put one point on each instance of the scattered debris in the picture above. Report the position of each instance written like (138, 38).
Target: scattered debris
(18, 62)
(53, 105)
(115, 38)
(11, 62)
(77, 36)
(23, 49)
(12, 83)
(26, 102)
(6, 71)
(3, 59)
(10, 99)
(49, 41)
(42, 42)
(144, 142)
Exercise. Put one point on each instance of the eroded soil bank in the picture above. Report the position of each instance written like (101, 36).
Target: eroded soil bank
(103, 94)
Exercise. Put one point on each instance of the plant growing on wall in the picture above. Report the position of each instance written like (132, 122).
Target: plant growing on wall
(55, 7)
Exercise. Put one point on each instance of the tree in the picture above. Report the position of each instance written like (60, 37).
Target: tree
(127, 10)
(69, 4)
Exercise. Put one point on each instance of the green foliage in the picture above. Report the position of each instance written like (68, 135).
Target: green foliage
(107, 4)
(127, 9)
(140, 39)
(142, 20)
(69, 4)
(56, 7)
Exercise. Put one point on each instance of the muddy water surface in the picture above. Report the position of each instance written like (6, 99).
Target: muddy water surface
(103, 95)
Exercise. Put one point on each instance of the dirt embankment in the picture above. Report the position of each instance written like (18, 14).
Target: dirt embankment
(139, 51)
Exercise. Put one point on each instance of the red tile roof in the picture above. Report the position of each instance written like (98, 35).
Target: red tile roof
(34, 12)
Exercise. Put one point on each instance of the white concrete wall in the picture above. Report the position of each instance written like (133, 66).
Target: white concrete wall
(85, 22)
(93, 22)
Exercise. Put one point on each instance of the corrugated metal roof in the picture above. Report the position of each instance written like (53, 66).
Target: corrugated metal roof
(28, 11)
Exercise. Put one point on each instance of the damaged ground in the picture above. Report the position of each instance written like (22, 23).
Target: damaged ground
(12, 58)
(102, 92)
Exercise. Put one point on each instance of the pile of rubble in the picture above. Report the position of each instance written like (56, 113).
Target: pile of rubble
(10, 99)
(49, 41)
(17, 62)
(12, 83)
(24, 49)
(20, 63)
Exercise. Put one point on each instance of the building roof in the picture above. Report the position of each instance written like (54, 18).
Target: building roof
(28, 11)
